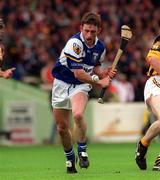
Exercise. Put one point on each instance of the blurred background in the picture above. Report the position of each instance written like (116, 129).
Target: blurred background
(35, 33)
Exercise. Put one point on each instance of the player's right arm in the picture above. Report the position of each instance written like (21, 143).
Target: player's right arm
(86, 78)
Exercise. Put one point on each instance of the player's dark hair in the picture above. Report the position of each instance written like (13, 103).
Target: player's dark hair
(157, 39)
(91, 18)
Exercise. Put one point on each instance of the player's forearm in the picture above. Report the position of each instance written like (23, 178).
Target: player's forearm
(155, 63)
(81, 75)
(99, 71)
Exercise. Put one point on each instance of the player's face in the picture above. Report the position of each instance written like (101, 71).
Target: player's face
(89, 33)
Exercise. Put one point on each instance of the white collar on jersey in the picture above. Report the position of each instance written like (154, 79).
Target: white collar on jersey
(84, 40)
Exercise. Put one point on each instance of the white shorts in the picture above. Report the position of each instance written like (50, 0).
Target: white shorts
(62, 92)
(152, 87)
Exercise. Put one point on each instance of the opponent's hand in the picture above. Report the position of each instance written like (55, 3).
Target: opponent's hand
(8, 73)
(2, 48)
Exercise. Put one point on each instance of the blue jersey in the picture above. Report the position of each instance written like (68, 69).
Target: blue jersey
(76, 55)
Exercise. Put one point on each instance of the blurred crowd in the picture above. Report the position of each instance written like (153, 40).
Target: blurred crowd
(37, 30)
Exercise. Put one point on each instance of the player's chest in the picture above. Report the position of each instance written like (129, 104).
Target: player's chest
(91, 56)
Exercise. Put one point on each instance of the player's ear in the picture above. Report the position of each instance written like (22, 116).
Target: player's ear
(99, 30)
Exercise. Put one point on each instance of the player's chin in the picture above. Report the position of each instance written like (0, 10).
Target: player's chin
(90, 42)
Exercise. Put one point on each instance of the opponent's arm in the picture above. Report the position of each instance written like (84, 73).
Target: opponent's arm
(1, 73)
(153, 57)
(155, 63)
(1, 57)
(6, 73)
(2, 26)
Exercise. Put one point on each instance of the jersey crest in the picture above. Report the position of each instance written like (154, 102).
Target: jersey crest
(76, 48)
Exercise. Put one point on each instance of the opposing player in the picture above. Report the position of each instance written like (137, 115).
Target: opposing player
(76, 71)
(152, 99)
(7, 73)
(4, 73)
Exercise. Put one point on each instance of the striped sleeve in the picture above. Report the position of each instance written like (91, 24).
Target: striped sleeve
(155, 50)
(73, 51)
(153, 53)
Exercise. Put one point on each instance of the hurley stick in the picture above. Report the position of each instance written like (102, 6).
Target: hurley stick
(126, 35)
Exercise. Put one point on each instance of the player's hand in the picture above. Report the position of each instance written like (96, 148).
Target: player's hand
(104, 82)
(111, 73)
(8, 73)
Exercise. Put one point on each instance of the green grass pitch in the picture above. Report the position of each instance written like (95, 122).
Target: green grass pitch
(107, 162)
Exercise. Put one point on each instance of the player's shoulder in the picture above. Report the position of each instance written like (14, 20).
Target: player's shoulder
(101, 45)
(155, 49)
(74, 41)
(74, 46)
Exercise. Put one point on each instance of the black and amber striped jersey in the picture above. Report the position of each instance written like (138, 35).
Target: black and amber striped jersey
(154, 52)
